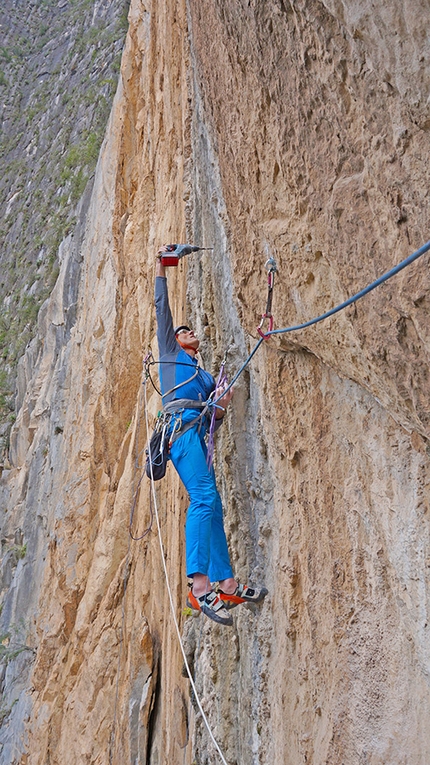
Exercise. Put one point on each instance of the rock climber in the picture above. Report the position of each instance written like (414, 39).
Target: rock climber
(185, 388)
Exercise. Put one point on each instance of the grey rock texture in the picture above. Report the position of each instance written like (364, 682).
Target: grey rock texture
(292, 130)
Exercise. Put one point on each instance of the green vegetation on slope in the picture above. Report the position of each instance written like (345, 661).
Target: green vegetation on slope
(59, 66)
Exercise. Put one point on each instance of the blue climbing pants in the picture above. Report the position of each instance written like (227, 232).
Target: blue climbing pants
(205, 540)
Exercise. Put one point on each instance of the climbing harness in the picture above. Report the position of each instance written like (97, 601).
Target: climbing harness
(168, 428)
(272, 269)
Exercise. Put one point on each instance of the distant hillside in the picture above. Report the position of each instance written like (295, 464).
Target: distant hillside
(59, 64)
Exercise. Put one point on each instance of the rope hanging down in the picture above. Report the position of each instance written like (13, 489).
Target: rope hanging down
(392, 272)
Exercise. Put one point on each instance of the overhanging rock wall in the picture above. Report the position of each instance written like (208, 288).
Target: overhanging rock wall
(291, 130)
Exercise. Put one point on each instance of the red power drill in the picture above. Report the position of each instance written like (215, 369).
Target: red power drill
(177, 251)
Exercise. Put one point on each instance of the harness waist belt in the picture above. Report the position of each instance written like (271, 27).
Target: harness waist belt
(183, 403)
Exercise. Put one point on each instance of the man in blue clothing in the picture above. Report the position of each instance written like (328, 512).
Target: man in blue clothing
(185, 388)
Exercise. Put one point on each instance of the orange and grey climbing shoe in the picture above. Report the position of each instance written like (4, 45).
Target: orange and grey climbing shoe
(242, 594)
(211, 605)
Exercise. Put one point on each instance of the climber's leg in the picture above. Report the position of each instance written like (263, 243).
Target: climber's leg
(206, 545)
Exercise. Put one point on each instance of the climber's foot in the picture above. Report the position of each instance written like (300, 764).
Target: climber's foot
(242, 594)
(211, 605)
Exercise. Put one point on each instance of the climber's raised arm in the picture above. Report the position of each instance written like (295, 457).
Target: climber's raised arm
(165, 330)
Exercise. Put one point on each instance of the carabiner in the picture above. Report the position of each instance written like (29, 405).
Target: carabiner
(272, 269)
(176, 428)
(259, 328)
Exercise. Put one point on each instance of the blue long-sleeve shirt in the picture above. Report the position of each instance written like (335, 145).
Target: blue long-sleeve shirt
(177, 368)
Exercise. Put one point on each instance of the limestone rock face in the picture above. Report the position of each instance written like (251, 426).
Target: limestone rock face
(296, 131)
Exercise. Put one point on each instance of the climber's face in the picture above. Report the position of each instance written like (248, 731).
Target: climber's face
(186, 338)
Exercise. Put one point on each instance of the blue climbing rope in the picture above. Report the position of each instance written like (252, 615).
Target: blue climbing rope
(358, 295)
(295, 327)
